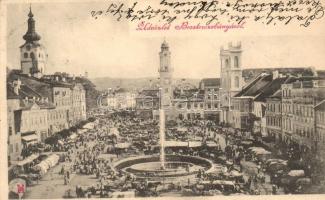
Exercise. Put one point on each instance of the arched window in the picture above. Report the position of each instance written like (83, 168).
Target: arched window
(25, 55)
(227, 63)
(236, 81)
(236, 62)
(32, 55)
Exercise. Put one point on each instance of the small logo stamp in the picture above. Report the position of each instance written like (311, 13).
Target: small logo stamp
(20, 188)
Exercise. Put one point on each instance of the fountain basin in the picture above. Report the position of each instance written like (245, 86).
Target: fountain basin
(175, 166)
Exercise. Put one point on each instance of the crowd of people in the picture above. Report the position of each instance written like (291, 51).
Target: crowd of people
(116, 136)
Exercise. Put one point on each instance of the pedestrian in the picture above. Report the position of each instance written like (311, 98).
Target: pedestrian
(65, 180)
(274, 189)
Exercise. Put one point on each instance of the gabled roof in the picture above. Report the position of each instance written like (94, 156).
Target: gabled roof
(252, 89)
(31, 86)
(272, 88)
(320, 106)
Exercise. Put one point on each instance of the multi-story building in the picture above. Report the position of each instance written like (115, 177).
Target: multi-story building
(320, 130)
(120, 99)
(230, 78)
(14, 139)
(188, 104)
(211, 86)
(250, 103)
(305, 95)
(39, 105)
(147, 101)
(273, 115)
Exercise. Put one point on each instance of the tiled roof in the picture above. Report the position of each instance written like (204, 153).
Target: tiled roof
(271, 88)
(32, 86)
(254, 88)
(250, 73)
(320, 106)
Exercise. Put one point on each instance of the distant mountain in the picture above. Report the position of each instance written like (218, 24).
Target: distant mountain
(104, 83)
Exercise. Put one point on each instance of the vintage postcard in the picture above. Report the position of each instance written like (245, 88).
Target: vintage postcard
(162, 98)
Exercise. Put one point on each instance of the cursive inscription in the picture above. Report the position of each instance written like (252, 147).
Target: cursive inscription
(211, 12)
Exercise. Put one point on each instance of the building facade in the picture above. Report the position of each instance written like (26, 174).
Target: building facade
(38, 105)
(273, 115)
(230, 78)
(305, 95)
(212, 107)
(120, 99)
(320, 130)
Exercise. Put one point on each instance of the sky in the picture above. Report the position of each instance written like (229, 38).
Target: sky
(76, 43)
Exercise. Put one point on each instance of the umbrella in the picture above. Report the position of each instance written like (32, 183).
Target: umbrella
(15, 183)
(200, 187)
(235, 173)
(297, 173)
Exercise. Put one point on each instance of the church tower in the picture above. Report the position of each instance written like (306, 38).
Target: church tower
(230, 75)
(165, 74)
(32, 54)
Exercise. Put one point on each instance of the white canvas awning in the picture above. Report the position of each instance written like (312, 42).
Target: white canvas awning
(29, 159)
(29, 138)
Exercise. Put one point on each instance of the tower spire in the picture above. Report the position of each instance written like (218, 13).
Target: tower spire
(31, 35)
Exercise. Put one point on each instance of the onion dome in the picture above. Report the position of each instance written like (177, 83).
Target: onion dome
(31, 34)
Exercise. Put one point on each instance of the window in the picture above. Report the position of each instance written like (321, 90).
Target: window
(10, 130)
(11, 148)
(236, 62)
(17, 147)
(227, 63)
(25, 55)
(32, 55)
(236, 81)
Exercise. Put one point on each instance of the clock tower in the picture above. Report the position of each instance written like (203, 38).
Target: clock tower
(32, 54)
(165, 74)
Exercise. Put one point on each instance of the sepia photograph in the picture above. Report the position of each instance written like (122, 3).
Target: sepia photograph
(164, 98)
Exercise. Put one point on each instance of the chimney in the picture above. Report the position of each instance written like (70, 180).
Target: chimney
(34, 98)
(17, 84)
(57, 78)
(63, 79)
(73, 77)
(275, 74)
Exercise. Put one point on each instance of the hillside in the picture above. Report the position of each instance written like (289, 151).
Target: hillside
(132, 83)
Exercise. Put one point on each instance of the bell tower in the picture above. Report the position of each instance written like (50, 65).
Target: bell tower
(230, 76)
(32, 54)
(165, 74)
